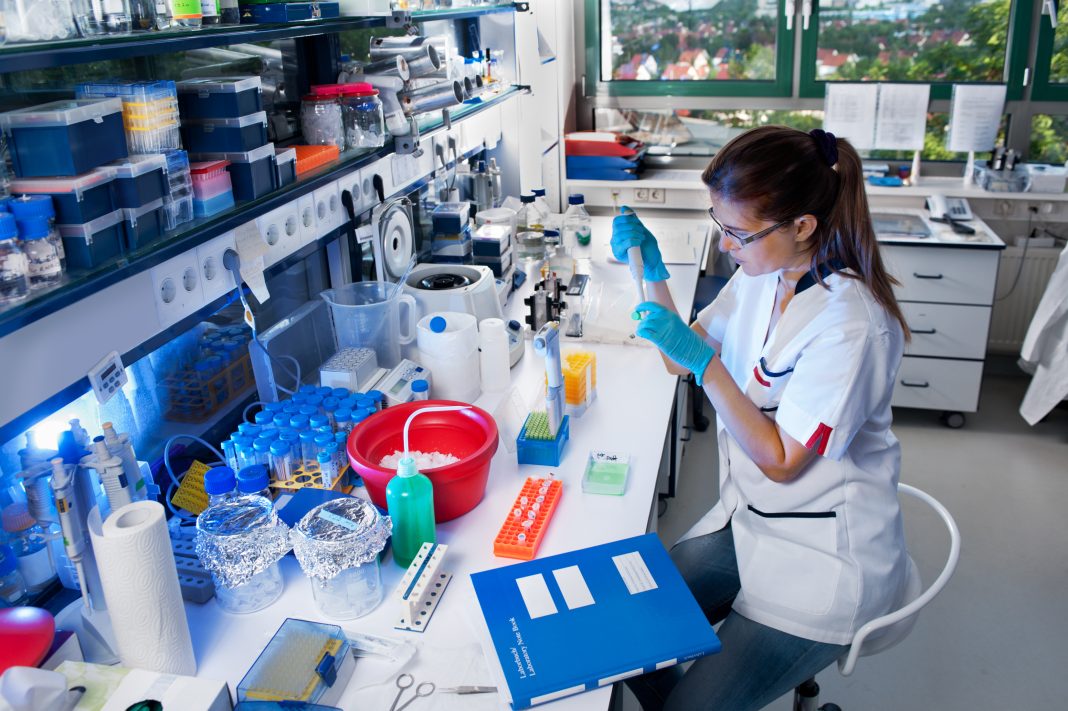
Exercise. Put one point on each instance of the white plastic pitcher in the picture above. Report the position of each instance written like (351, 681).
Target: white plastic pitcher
(367, 314)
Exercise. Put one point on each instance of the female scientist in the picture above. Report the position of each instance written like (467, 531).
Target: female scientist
(798, 355)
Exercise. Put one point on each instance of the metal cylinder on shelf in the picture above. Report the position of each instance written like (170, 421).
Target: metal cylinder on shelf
(385, 47)
(391, 66)
(438, 96)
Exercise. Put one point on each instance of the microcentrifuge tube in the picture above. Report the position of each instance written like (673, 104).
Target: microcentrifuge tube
(517, 512)
(539, 499)
(521, 537)
(528, 524)
(524, 500)
(532, 514)
(534, 507)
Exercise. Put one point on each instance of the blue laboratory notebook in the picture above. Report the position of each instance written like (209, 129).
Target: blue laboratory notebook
(573, 622)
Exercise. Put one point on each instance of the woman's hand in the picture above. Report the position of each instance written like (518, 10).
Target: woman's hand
(674, 338)
(628, 231)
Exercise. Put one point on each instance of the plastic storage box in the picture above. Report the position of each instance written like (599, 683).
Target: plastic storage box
(91, 244)
(76, 200)
(606, 473)
(252, 173)
(492, 240)
(311, 157)
(226, 135)
(143, 225)
(451, 217)
(304, 661)
(178, 201)
(149, 111)
(212, 189)
(139, 179)
(275, 13)
(498, 265)
(285, 160)
(223, 97)
(68, 137)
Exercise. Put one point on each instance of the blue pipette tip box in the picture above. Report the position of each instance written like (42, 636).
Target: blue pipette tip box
(543, 452)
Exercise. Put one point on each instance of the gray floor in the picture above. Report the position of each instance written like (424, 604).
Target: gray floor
(997, 636)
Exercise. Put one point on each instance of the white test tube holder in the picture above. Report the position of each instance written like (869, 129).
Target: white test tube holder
(421, 588)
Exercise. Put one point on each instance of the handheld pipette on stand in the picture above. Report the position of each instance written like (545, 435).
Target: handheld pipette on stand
(71, 521)
(112, 475)
(547, 345)
(637, 267)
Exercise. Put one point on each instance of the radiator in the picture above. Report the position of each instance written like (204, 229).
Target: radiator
(1013, 310)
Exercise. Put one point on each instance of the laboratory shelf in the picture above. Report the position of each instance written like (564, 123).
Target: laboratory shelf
(45, 55)
(77, 286)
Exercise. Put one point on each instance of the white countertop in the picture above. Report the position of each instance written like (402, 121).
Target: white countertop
(942, 235)
(631, 414)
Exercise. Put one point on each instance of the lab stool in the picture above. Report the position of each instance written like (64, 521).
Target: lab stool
(708, 288)
(886, 631)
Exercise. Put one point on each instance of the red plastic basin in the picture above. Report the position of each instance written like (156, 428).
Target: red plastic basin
(469, 434)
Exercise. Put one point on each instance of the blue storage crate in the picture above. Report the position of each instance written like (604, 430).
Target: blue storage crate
(93, 243)
(139, 180)
(543, 452)
(68, 137)
(279, 13)
(76, 200)
(252, 173)
(143, 225)
(219, 97)
(231, 135)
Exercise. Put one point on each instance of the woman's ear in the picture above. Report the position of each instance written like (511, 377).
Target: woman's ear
(806, 227)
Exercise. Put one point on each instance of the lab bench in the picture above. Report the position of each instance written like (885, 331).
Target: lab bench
(226, 645)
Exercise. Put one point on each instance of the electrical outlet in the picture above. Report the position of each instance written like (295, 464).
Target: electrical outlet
(657, 195)
(280, 230)
(328, 209)
(641, 195)
(176, 288)
(216, 279)
(309, 227)
(1047, 208)
(1004, 208)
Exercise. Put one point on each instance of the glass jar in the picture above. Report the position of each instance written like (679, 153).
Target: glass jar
(185, 14)
(240, 542)
(14, 268)
(40, 20)
(32, 552)
(362, 116)
(150, 14)
(102, 17)
(338, 544)
(229, 12)
(36, 213)
(42, 259)
(209, 11)
(12, 584)
(320, 121)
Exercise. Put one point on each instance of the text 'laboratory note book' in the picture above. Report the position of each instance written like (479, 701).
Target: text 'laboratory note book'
(573, 622)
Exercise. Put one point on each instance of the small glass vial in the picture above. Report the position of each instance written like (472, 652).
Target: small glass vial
(254, 481)
(12, 584)
(151, 14)
(185, 14)
(43, 265)
(327, 469)
(281, 460)
(420, 389)
(309, 452)
(219, 485)
(379, 399)
(14, 267)
(262, 418)
(209, 11)
(318, 422)
(343, 421)
(262, 450)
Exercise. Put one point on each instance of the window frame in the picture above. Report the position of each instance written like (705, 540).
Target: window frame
(1018, 44)
(781, 86)
(1043, 89)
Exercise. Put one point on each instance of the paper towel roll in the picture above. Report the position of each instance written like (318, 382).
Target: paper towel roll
(133, 552)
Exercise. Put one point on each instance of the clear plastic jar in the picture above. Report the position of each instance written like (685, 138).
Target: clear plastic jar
(320, 121)
(39, 20)
(43, 265)
(14, 268)
(362, 116)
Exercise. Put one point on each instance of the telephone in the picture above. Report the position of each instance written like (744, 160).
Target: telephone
(952, 208)
(951, 211)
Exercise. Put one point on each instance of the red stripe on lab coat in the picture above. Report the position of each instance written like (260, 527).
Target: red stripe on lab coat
(756, 374)
(819, 439)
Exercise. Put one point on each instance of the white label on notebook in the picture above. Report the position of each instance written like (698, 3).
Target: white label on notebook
(668, 663)
(557, 694)
(573, 587)
(634, 572)
(536, 596)
(620, 677)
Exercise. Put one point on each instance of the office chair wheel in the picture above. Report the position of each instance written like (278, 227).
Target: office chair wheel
(830, 707)
(952, 420)
(701, 423)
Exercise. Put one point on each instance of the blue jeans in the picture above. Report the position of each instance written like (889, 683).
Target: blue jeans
(757, 665)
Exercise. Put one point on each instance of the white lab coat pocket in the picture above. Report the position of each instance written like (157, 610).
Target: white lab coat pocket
(790, 560)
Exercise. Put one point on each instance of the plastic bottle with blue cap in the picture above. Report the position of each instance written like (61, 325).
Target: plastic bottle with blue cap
(281, 460)
(219, 485)
(379, 399)
(577, 222)
(14, 267)
(327, 468)
(420, 389)
(38, 209)
(343, 420)
(42, 259)
(254, 481)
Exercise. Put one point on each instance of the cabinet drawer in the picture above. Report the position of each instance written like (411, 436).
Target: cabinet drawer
(936, 384)
(943, 275)
(947, 331)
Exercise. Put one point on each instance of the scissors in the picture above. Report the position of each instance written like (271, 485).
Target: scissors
(406, 681)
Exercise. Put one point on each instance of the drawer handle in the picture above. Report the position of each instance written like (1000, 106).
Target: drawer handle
(926, 276)
(907, 384)
(923, 331)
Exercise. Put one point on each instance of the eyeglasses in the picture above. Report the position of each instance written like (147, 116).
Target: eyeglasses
(743, 241)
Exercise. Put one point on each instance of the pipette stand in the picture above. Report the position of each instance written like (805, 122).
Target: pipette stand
(533, 445)
(420, 590)
(93, 627)
(546, 303)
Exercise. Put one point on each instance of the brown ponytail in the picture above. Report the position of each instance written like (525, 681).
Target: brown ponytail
(782, 173)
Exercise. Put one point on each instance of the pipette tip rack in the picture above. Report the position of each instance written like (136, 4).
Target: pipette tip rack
(524, 528)
(534, 446)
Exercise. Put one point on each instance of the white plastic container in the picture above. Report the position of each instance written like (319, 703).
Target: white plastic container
(448, 348)
(494, 363)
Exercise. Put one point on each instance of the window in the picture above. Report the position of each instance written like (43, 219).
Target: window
(691, 47)
(1051, 68)
(1049, 139)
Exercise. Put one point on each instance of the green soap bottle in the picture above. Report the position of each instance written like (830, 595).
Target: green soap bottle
(410, 500)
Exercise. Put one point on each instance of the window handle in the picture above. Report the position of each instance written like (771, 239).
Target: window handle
(907, 384)
(924, 331)
(926, 276)
(790, 10)
(806, 13)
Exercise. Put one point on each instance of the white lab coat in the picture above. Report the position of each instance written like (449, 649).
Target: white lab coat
(1045, 348)
(823, 554)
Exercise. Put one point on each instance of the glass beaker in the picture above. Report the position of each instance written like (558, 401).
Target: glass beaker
(368, 315)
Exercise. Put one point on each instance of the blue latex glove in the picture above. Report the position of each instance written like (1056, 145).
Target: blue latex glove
(628, 231)
(674, 338)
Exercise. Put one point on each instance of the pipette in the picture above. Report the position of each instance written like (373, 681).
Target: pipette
(637, 268)
(71, 521)
(547, 345)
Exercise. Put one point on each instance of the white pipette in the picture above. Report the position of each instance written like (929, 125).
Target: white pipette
(637, 267)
